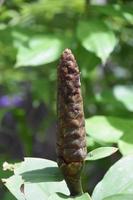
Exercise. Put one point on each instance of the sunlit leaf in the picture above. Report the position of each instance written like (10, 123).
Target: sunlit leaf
(109, 129)
(100, 153)
(96, 37)
(100, 129)
(126, 148)
(117, 180)
(38, 50)
(14, 184)
(35, 179)
(120, 197)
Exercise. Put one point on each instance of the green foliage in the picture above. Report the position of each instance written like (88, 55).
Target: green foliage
(96, 37)
(118, 180)
(119, 197)
(40, 177)
(28, 181)
(100, 128)
(33, 35)
(106, 130)
(101, 152)
(120, 98)
(39, 50)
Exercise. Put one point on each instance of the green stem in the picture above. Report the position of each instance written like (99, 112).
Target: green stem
(74, 186)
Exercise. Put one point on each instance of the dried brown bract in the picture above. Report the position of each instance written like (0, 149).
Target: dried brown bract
(71, 143)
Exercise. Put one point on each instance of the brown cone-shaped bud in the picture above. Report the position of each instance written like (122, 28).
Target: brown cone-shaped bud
(71, 142)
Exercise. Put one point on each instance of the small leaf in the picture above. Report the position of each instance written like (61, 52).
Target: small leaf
(96, 37)
(100, 153)
(59, 196)
(117, 180)
(120, 197)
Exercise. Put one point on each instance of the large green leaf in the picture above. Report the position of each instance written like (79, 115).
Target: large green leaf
(100, 153)
(109, 129)
(36, 50)
(118, 180)
(35, 178)
(120, 197)
(100, 128)
(96, 37)
(125, 148)
(60, 196)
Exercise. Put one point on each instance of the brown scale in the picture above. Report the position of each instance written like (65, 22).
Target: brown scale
(71, 140)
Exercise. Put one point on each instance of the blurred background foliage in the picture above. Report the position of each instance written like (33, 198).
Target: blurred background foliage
(33, 33)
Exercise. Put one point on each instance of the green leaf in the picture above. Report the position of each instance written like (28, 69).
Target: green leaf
(37, 178)
(124, 12)
(125, 148)
(90, 142)
(101, 152)
(42, 175)
(101, 130)
(117, 180)
(124, 94)
(86, 60)
(14, 184)
(119, 98)
(109, 129)
(36, 173)
(60, 196)
(38, 50)
(96, 37)
(120, 197)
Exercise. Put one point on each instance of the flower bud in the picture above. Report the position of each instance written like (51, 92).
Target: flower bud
(71, 135)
